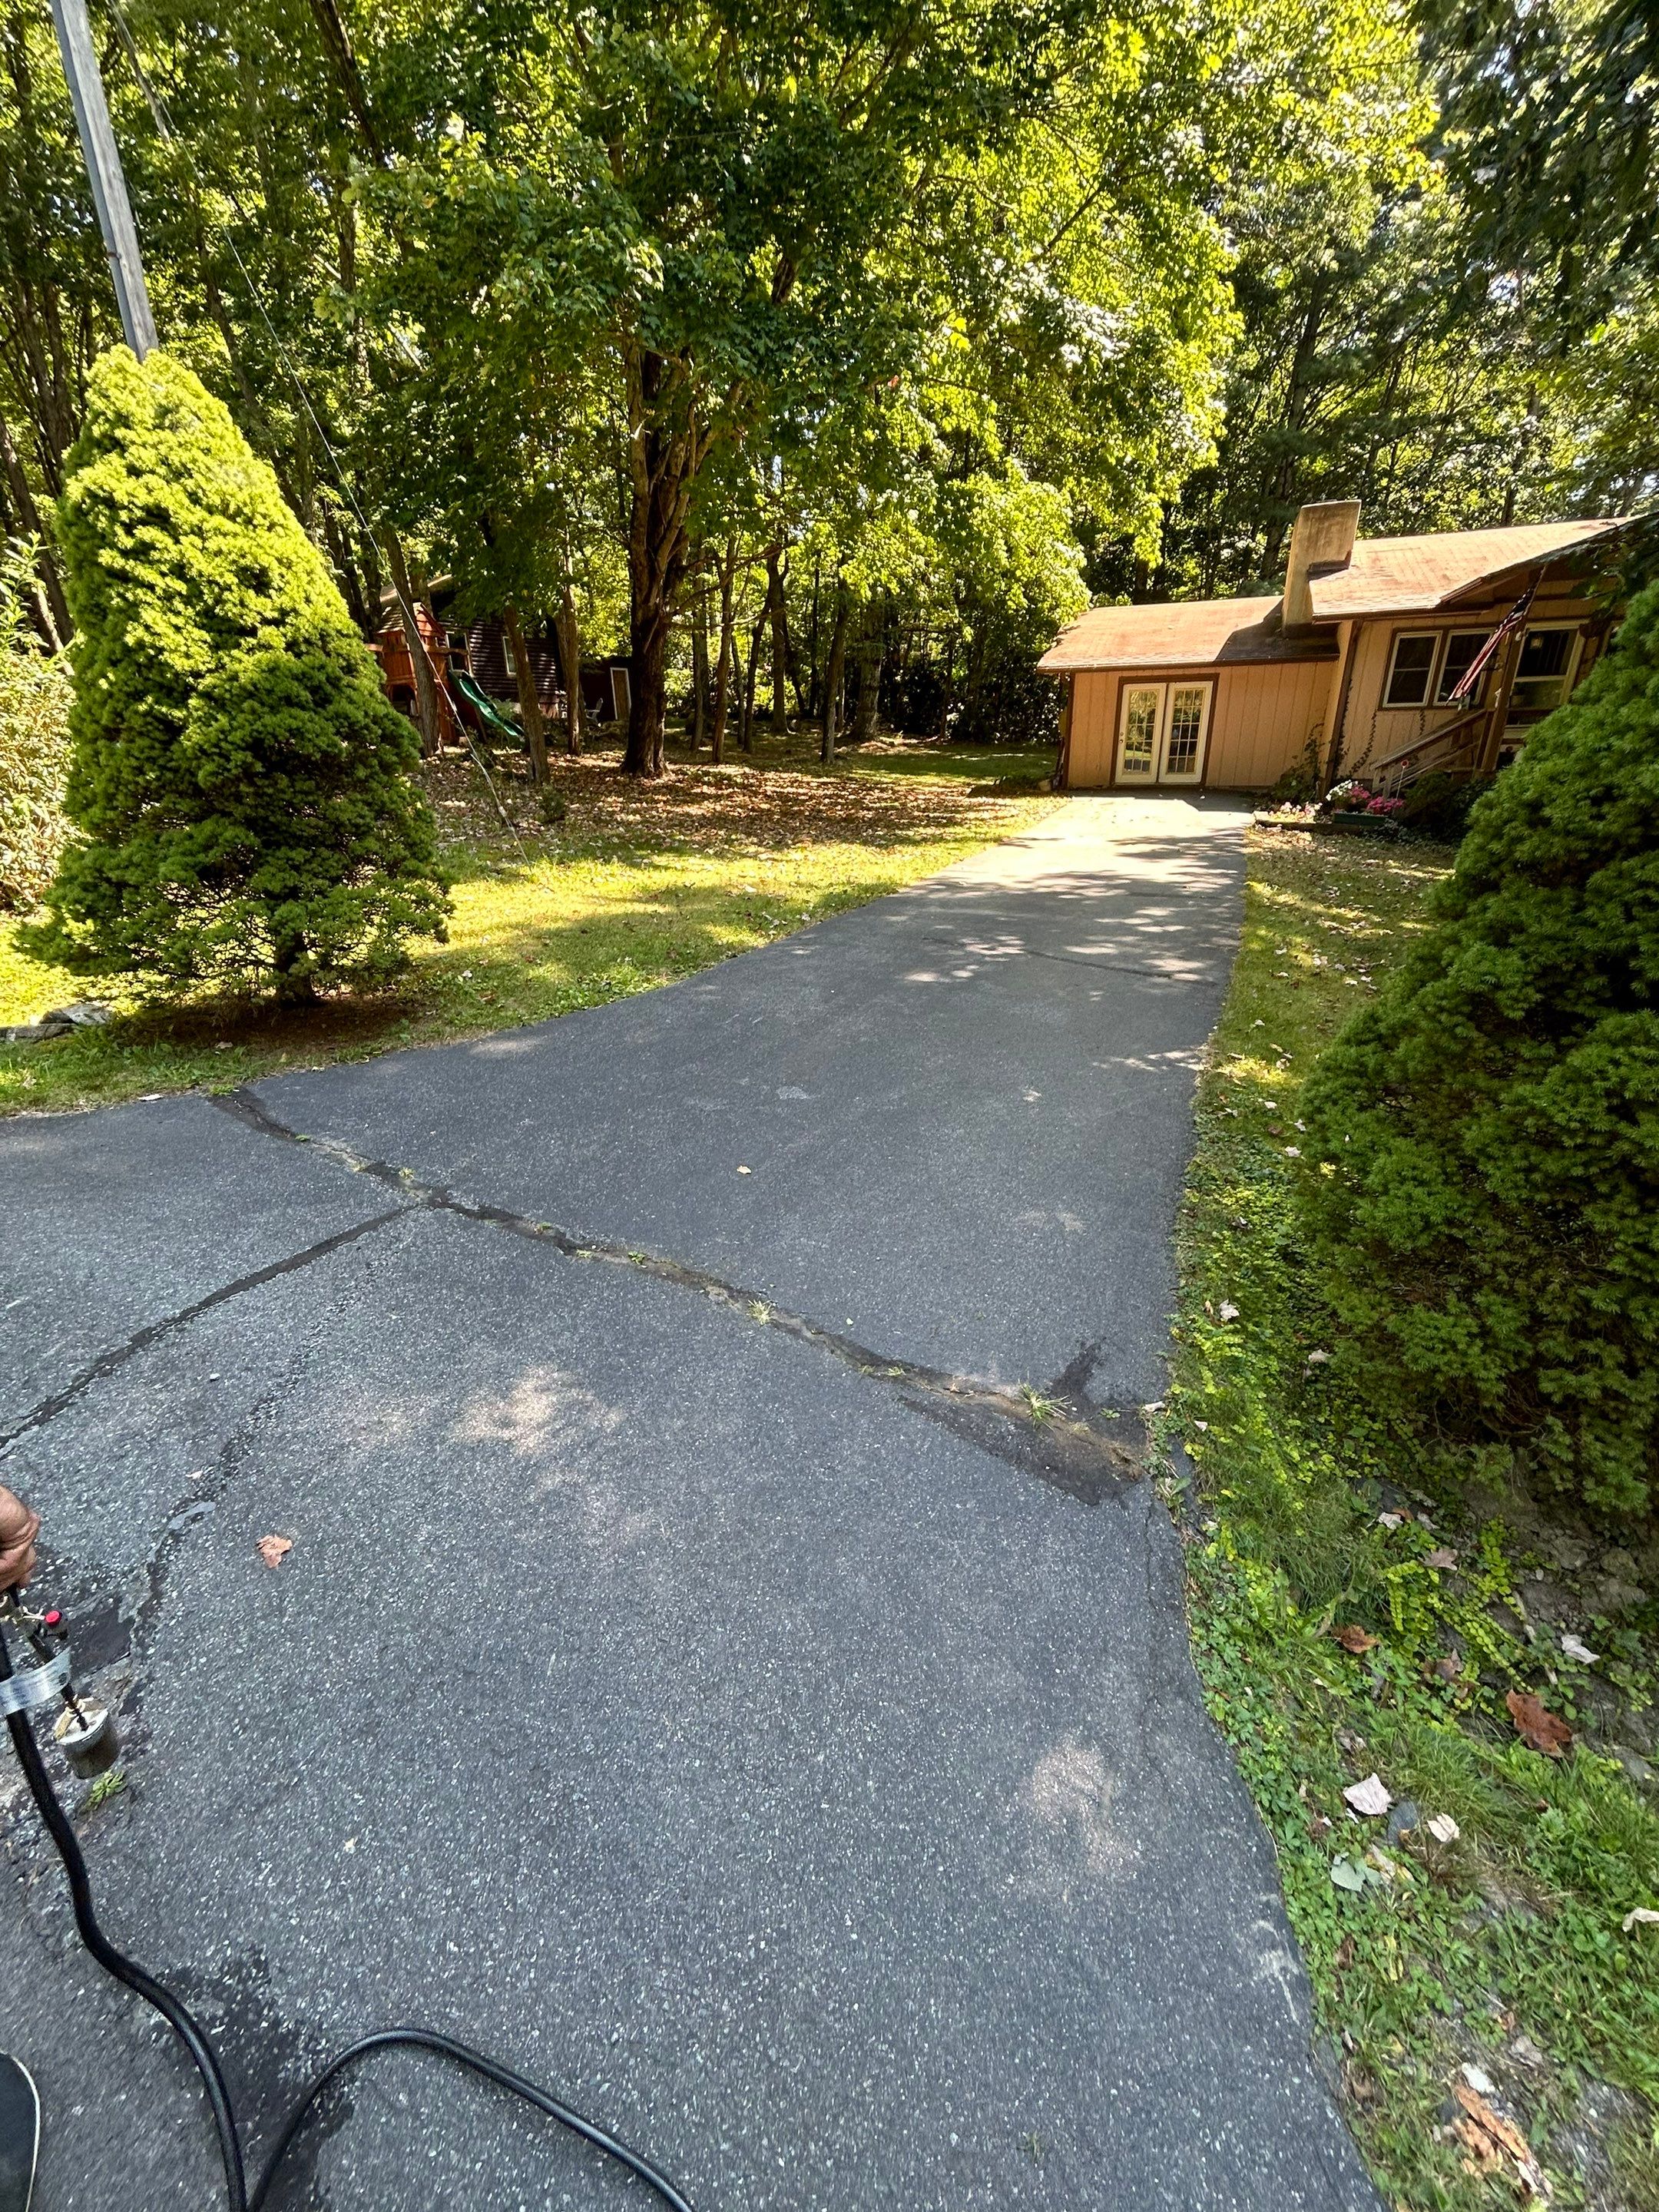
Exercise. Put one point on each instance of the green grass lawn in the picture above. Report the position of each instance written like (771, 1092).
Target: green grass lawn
(1504, 1948)
(628, 887)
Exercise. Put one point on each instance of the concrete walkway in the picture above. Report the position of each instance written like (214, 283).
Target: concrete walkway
(696, 1677)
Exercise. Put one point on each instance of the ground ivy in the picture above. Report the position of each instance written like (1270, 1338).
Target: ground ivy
(1305, 1512)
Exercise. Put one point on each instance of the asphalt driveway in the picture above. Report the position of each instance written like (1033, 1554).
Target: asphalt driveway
(729, 1664)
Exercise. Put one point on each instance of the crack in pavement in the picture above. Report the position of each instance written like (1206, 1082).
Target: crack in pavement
(142, 1339)
(1053, 1433)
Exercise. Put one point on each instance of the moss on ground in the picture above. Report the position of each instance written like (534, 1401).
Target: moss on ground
(1364, 1604)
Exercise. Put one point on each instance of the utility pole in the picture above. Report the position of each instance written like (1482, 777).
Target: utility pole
(109, 186)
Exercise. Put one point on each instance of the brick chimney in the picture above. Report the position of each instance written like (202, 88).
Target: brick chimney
(1322, 537)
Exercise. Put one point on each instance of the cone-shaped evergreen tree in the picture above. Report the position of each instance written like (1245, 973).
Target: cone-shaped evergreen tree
(1483, 1144)
(240, 790)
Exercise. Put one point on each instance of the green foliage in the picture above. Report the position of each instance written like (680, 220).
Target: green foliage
(34, 713)
(1444, 1951)
(241, 790)
(1484, 1144)
(1438, 806)
(1550, 109)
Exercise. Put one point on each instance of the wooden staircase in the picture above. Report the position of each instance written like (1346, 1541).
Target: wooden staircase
(1454, 749)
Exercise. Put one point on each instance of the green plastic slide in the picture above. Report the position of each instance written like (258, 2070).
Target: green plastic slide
(475, 695)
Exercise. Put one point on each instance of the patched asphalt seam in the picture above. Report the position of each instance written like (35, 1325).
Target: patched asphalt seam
(141, 1339)
(1051, 1433)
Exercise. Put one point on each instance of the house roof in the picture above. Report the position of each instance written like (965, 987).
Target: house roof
(1414, 575)
(1180, 633)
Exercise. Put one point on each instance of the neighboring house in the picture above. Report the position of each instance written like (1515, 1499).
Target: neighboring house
(485, 651)
(1386, 657)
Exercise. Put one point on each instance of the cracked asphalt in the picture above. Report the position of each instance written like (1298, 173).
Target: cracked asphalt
(730, 1665)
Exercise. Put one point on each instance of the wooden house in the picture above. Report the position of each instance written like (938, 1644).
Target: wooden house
(1383, 658)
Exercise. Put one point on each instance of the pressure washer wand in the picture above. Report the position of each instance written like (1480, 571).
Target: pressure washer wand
(20, 1694)
(27, 1691)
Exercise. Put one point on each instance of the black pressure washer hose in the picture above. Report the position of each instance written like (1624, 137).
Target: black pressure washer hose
(178, 2018)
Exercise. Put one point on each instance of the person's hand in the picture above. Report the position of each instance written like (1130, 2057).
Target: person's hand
(19, 1527)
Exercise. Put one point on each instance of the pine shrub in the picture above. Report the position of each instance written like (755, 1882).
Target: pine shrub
(241, 793)
(1482, 1185)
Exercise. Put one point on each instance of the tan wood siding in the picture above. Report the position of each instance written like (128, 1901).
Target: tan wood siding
(1372, 731)
(1260, 720)
(1265, 719)
(1094, 728)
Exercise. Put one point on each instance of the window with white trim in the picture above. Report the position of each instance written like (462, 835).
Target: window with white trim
(1462, 647)
(1544, 672)
(1410, 671)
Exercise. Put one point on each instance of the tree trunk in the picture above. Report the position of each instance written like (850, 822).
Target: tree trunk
(869, 664)
(728, 648)
(780, 642)
(665, 451)
(351, 584)
(426, 690)
(28, 515)
(746, 735)
(699, 653)
(832, 677)
(530, 707)
(293, 990)
(570, 645)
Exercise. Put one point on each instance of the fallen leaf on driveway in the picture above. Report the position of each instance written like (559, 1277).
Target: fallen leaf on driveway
(273, 1550)
(1352, 1637)
(1390, 1519)
(1575, 1648)
(1369, 1797)
(1346, 1876)
(1444, 1828)
(1642, 1918)
(1442, 1556)
(1536, 1726)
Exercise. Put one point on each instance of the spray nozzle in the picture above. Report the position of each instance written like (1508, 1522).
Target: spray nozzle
(85, 1733)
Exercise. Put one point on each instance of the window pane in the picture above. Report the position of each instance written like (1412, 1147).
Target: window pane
(1408, 680)
(1186, 722)
(1544, 654)
(1462, 649)
(1140, 731)
(1541, 675)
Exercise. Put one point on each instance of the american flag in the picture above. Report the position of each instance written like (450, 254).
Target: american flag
(1469, 681)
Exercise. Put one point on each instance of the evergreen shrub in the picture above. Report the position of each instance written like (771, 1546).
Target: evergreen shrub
(1481, 1166)
(242, 795)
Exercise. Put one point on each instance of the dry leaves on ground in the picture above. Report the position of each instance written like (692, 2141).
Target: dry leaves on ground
(1370, 1796)
(711, 807)
(273, 1550)
(1537, 1727)
(1495, 2144)
(1352, 1637)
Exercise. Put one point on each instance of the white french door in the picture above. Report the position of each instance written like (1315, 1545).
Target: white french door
(1161, 732)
